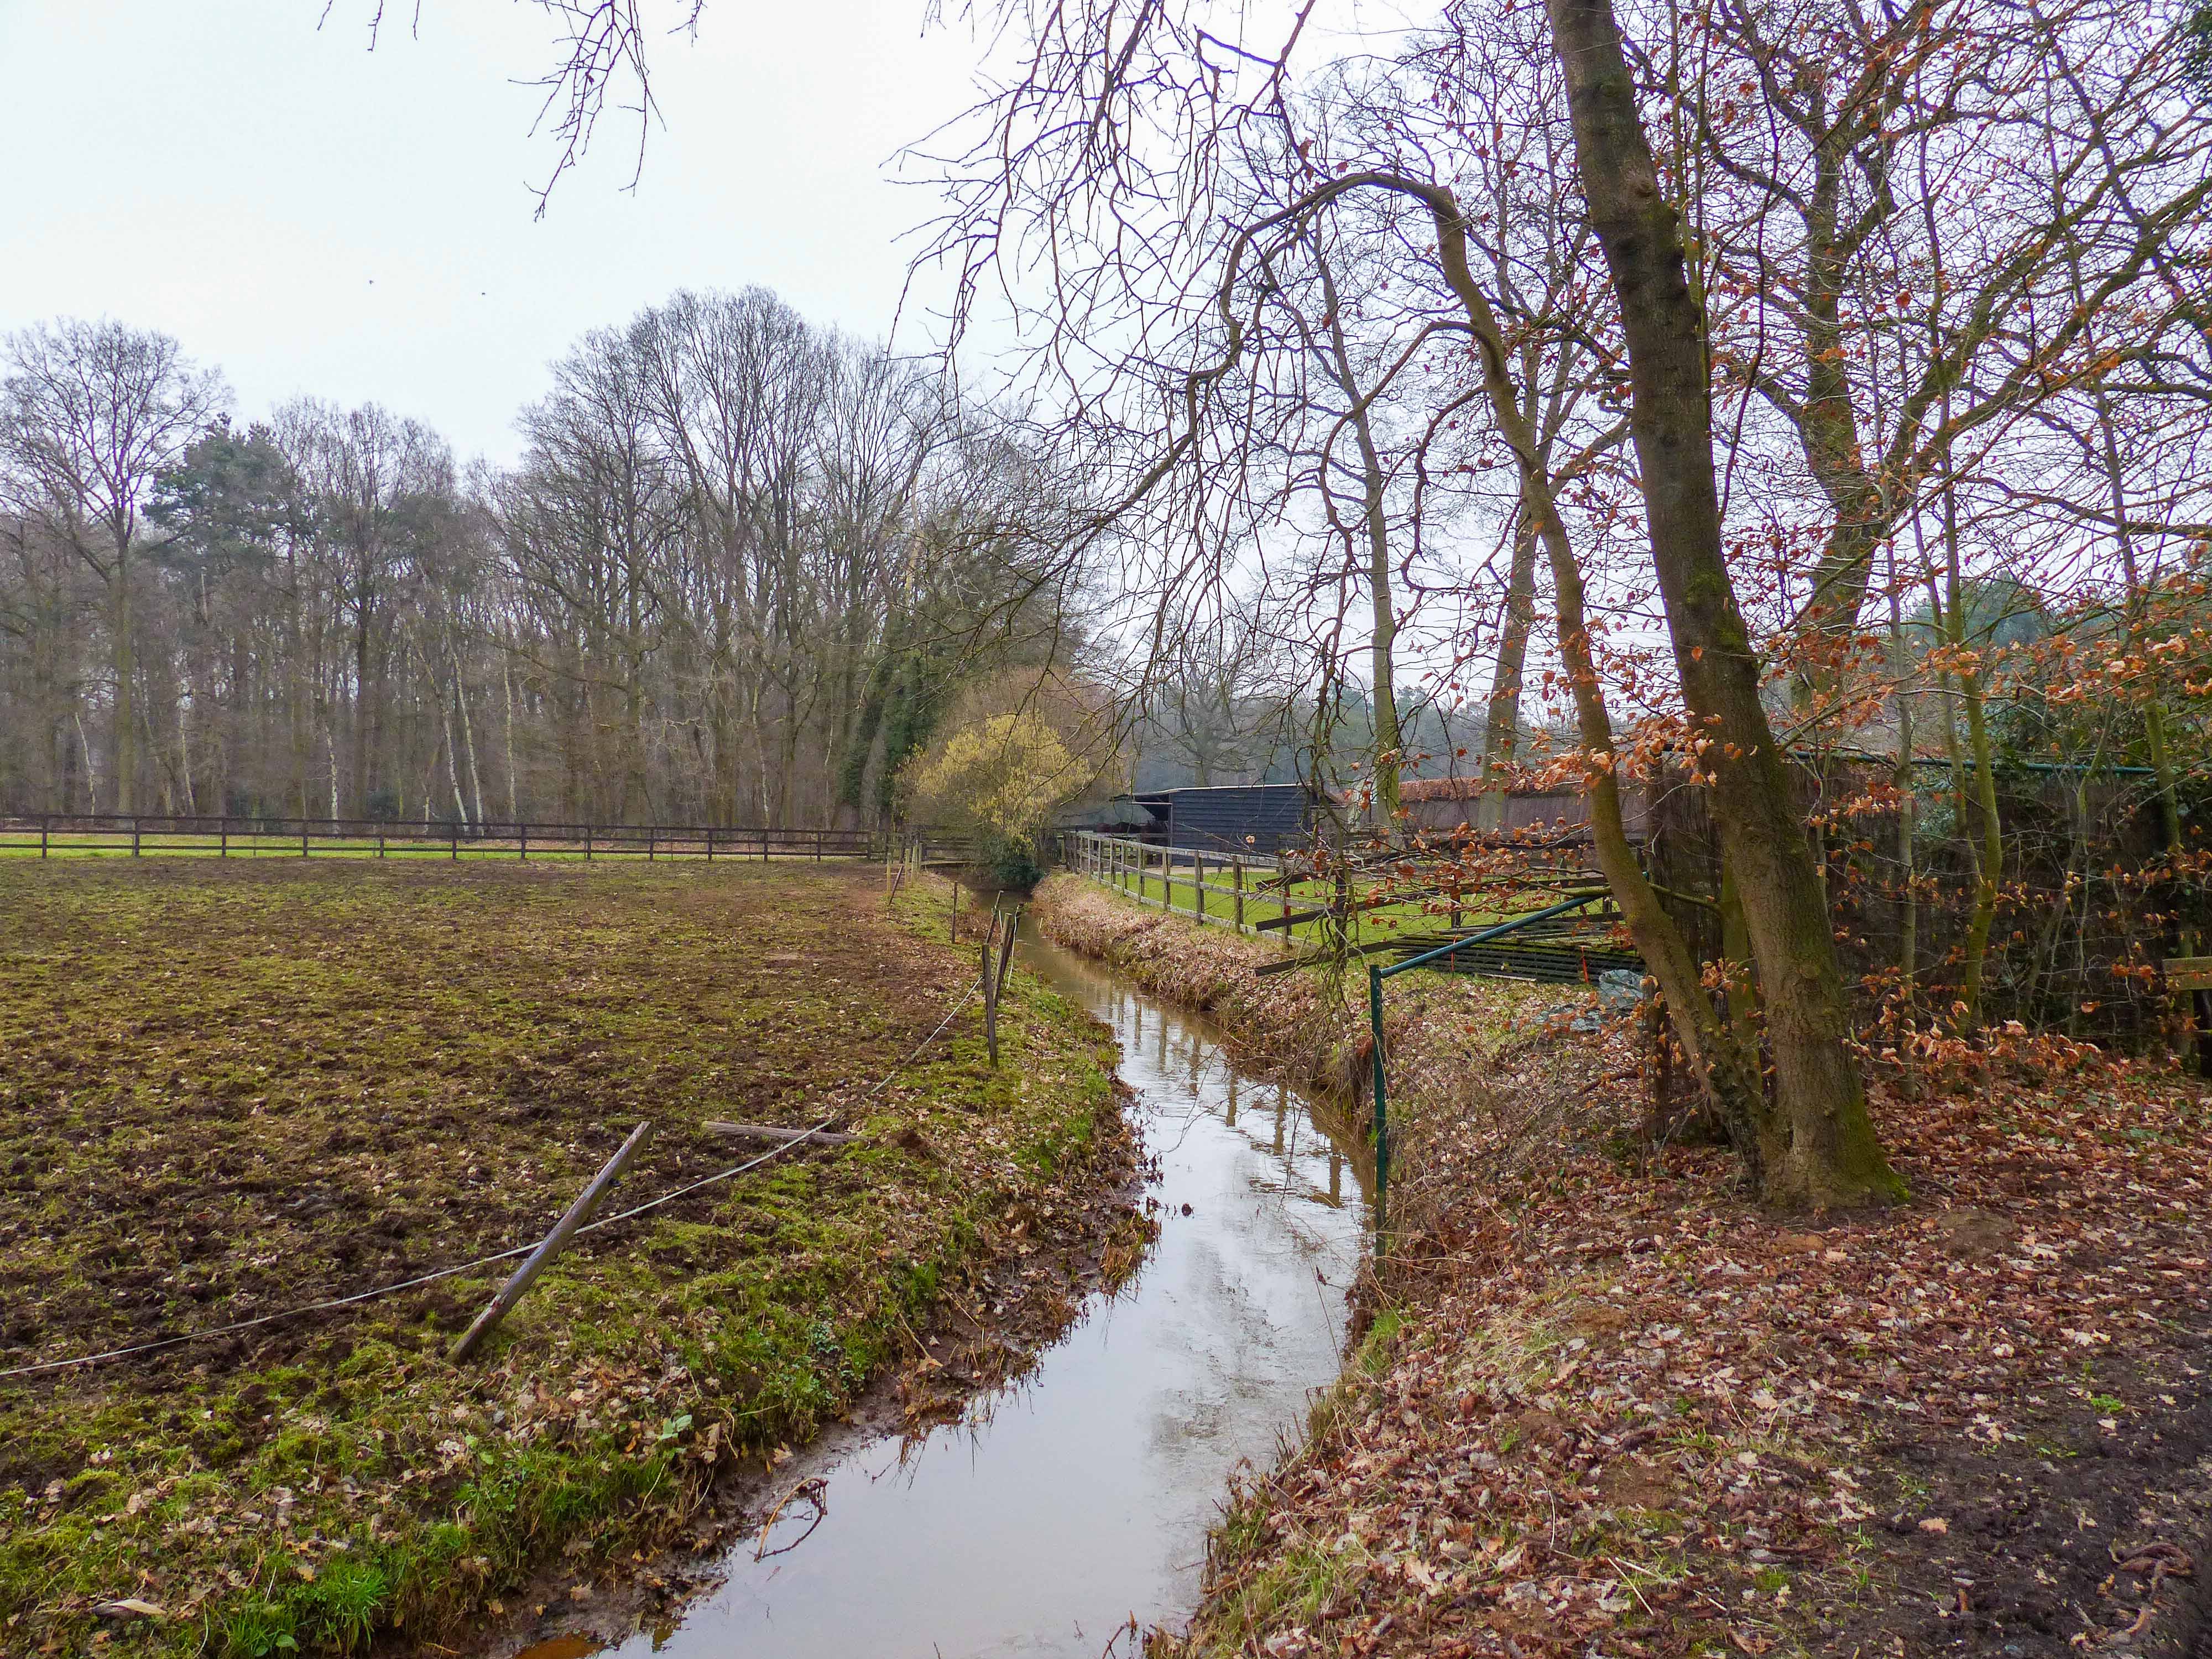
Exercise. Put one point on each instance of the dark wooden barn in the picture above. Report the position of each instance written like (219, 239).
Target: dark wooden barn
(1229, 817)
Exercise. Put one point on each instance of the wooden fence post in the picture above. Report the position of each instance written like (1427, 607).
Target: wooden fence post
(221, 838)
(587, 843)
(990, 994)
(303, 838)
(649, 839)
(453, 841)
(522, 841)
(818, 847)
(1236, 879)
(45, 826)
(547, 1248)
(999, 984)
(134, 838)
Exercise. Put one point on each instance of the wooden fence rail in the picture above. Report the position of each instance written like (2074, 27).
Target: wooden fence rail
(1257, 887)
(75, 835)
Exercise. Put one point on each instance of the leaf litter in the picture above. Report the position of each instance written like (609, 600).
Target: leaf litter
(1603, 1405)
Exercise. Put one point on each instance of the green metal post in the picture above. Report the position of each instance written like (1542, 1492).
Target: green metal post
(1381, 1107)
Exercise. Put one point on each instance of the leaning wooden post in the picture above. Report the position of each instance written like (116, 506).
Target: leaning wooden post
(953, 925)
(1236, 876)
(990, 995)
(998, 985)
(550, 1246)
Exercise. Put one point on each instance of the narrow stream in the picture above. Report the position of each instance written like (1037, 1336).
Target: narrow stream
(1062, 1507)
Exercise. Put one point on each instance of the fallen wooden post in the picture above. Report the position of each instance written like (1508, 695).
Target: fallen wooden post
(550, 1246)
(769, 1131)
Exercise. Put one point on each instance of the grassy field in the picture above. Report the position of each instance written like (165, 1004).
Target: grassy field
(1384, 920)
(230, 1090)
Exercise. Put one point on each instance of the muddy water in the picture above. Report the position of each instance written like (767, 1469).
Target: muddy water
(1061, 1509)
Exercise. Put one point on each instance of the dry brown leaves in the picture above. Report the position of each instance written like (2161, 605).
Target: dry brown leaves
(1609, 1406)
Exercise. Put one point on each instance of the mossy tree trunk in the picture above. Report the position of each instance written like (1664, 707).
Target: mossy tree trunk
(1822, 1149)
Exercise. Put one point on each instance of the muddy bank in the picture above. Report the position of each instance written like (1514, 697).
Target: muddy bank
(1607, 1406)
(1065, 1514)
(231, 1090)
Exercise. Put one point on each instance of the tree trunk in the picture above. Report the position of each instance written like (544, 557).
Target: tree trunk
(1823, 1150)
(1375, 522)
(1908, 815)
(126, 669)
(1722, 1065)
(1501, 726)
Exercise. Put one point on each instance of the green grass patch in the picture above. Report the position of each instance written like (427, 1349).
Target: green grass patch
(227, 1089)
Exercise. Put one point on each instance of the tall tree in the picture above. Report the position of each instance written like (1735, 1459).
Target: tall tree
(1825, 1151)
(91, 413)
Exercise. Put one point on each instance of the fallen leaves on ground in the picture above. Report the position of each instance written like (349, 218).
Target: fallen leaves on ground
(1605, 1405)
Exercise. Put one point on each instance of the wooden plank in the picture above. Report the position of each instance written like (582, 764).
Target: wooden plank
(769, 1131)
(2188, 972)
(550, 1246)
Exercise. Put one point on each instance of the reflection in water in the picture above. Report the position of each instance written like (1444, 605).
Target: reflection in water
(1081, 1498)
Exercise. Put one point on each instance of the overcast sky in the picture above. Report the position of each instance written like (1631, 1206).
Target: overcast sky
(311, 217)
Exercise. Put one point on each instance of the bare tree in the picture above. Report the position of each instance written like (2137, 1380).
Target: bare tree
(93, 412)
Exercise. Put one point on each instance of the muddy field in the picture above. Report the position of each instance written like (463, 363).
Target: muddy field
(227, 1092)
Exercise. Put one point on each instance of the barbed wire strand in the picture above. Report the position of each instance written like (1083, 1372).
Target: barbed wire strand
(432, 1277)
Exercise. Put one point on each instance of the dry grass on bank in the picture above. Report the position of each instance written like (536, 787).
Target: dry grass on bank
(1605, 1406)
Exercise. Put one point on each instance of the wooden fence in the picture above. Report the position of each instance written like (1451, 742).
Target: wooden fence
(64, 835)
(1258, 895)
(1243, 881)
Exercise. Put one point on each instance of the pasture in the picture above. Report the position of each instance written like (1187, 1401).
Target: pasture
(227, 1090)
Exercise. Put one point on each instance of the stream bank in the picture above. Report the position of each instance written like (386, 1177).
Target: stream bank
(1608, 1407)
(1067, 1513)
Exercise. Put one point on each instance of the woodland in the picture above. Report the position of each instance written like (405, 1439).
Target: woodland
(1598, 395)
(1785, 421)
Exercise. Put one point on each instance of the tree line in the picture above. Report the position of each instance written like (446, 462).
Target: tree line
(1718, 380)
(741, 568)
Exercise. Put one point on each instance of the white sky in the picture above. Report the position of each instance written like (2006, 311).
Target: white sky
(311, 218)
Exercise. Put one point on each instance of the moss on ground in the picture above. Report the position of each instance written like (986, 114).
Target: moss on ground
(225, 1091)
